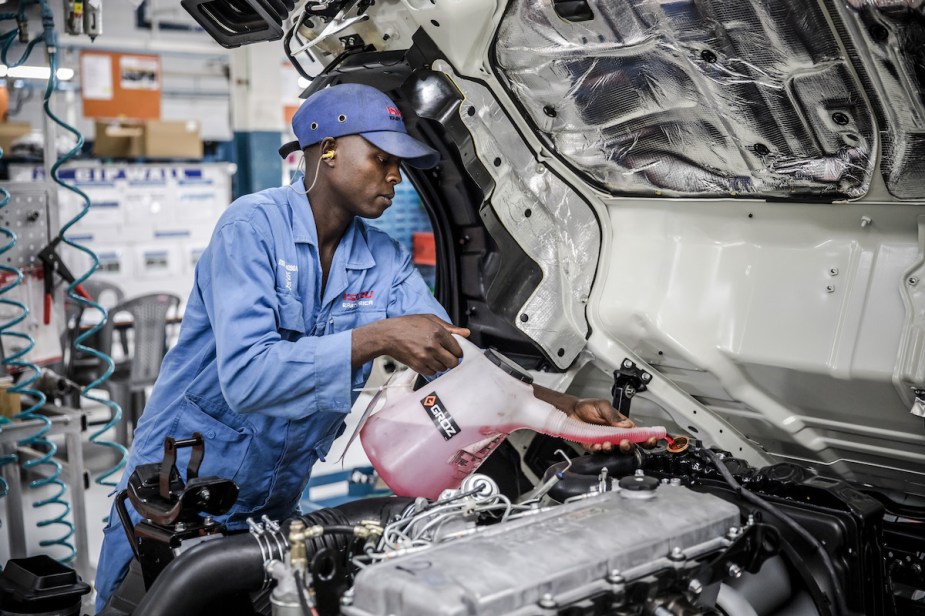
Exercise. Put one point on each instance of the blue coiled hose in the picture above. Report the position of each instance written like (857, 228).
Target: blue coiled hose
(17, 276)
(23, 387)
(37, 439)
(116, 412)
(7, 39)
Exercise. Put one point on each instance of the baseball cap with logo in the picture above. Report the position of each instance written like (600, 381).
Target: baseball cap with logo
(356, 109)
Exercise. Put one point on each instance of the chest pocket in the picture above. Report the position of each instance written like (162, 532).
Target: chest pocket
(290, 320)
(357, 317)
(361, 302)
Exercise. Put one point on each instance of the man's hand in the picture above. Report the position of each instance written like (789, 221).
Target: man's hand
(593, 411)
(423, 342)
(602, 412)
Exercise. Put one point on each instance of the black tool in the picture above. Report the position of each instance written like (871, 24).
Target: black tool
(51, 265)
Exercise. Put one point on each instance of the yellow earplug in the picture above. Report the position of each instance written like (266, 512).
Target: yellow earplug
(328, 155)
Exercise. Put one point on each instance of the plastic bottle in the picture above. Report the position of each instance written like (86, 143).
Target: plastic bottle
(426, 441)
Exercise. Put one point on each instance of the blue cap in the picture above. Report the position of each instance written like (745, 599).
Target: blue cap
(356, 109)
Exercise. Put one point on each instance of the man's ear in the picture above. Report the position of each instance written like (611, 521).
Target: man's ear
(327, 147)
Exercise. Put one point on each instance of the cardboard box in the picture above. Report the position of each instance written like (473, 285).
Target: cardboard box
(10, 132)
(117, 139)
(147, 139)
(169, 139)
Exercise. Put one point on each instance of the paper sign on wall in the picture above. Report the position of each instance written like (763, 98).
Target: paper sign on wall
(139, 73)
(96, 77)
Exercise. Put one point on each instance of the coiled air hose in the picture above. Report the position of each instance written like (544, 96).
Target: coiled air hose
(17, 359)
(38, 438)
(15, 275)
(115, 411)
(6, 42)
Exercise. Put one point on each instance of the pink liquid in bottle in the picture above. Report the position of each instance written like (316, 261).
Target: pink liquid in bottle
(426, 441)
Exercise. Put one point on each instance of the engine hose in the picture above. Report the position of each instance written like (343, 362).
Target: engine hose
(349, 515)
(115, 410)
(301, 592)
(205, 574)
(382, 509)
(214, 569)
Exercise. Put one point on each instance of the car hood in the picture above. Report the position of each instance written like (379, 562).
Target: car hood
(726, 195)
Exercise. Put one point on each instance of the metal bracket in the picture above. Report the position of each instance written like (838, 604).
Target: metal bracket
(170, 461)
(338, 23)
(628, 380)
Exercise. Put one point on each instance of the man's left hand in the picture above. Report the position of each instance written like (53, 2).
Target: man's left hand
(602, 412)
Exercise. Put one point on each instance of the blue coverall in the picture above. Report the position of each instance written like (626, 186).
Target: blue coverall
(262, 365)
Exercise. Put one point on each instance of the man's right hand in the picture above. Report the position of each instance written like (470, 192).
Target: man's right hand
(423, 342)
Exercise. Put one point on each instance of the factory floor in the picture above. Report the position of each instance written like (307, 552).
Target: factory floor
(99, 501)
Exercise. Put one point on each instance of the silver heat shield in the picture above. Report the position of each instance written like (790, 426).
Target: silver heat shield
(715, 98)
(546, 217)
(888, 51)
(566, 552)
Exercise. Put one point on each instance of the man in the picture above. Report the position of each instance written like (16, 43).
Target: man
(272, 350)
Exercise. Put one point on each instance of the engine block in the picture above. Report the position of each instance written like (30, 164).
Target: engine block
(556, 557)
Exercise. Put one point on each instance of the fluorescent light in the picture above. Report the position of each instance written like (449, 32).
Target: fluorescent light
(35, 72)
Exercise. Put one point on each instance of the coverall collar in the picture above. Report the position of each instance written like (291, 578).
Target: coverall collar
(304, 231)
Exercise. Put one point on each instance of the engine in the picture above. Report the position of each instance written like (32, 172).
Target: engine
(681, 530)
(645, 545)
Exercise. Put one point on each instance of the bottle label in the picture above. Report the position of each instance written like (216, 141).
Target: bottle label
(441, 417)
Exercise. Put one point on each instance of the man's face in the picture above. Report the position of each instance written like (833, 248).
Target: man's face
(364, 176)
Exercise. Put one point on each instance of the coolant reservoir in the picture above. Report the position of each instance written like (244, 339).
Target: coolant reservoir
(426, 441)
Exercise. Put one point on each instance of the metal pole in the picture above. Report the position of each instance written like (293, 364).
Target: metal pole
(63, 421)
(15, 525)
(75, 468)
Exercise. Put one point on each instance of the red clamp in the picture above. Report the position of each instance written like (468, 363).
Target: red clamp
(51, 265)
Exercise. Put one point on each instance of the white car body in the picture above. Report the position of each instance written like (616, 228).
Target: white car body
(773, 292)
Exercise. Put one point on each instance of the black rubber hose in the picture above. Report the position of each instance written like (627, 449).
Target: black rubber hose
(300, 590)
(381, 510)
(213, 570)
(210, 571)
(754, 499)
